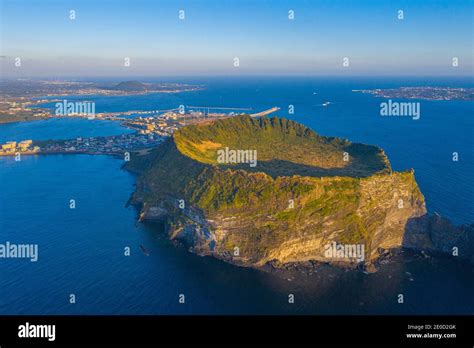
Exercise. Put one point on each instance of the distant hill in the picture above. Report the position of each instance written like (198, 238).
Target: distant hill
(130, 86)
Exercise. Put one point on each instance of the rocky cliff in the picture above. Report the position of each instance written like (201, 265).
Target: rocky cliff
(302, 197)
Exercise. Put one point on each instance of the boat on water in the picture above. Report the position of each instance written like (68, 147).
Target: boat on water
(326, 103)
(143, 249)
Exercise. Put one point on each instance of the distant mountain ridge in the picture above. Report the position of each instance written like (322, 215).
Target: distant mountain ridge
(130, 86)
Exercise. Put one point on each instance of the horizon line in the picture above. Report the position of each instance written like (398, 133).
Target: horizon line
(128, 78)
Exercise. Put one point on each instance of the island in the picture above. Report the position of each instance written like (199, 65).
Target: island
(292, 194)
(423, 93)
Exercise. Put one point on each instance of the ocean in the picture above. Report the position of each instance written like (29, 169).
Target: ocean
(81, 250)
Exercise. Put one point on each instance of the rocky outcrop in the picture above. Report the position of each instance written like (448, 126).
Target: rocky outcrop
(297, 205)
(437, 234)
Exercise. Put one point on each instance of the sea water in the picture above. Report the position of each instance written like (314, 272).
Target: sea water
(82, 251)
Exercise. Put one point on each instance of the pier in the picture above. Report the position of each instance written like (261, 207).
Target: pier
(266, 112)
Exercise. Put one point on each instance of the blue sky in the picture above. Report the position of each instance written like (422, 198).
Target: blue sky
(258, 32)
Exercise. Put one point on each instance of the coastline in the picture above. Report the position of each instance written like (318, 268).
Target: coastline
(115, 154)
(305, 268)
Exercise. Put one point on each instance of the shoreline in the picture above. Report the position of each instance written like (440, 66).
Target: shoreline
(34, 118)
(31, 153)
(308, 267)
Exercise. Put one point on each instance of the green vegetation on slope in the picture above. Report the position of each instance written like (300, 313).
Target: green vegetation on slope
(283, 148)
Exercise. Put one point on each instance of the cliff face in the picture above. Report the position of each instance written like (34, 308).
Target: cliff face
(434, 233)
(305, 193)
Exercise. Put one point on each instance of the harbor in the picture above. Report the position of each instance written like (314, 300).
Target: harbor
(149, 132)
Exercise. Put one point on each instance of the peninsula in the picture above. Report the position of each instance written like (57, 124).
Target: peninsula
(305, 192)
(422, 93)
(22, 100)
